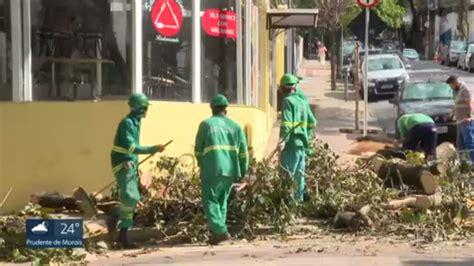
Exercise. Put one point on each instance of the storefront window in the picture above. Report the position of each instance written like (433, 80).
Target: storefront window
(218, 64)
(81, 49)
(5, 52)
(167, 41)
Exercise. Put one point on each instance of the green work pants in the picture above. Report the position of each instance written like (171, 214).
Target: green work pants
(215, 193)
(129, 195)
(293, 161)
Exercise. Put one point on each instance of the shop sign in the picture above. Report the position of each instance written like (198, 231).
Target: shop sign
(220, 23)
(167, 17)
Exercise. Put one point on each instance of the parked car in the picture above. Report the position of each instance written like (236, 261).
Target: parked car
(354, 68)
(450, 53)
(386, 74)
(431, 98)
(411, 54)
(464, 57)
(470, 64)
(406, 62)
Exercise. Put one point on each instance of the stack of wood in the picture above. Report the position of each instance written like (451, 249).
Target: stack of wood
(418, 184)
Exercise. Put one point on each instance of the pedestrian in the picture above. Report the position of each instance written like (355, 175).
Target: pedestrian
(124, 157)
(222, 156)
(322, 54)
(296, 133)
(463, 112)
(418, 130)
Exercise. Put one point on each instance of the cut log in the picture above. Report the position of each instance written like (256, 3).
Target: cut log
(54, 200)
(363, 213)
(391, 154)
(86, 204)
(411, 175)
(353, 219)
(446, 152)
(419, 202)
(344, 219)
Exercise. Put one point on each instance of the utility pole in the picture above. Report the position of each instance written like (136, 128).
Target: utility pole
(427, 26)
(357, 84)
(366, 72)
(341, 54)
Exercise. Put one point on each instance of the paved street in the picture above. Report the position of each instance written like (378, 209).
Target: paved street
(384, 112)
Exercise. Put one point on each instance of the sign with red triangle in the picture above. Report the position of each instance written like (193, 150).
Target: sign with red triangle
(367, 3)
(167, 17)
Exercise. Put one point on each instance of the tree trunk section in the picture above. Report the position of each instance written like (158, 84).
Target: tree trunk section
(396, 173)
(420, 202)
(357, 87)
(332, 39)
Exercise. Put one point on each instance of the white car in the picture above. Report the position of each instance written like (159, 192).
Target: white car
(463, 62)
(386, 75)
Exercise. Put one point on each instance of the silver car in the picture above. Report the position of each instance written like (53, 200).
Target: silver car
(450, 53)
(464, 57)
(386, 75)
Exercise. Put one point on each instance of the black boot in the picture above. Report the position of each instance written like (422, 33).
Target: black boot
(111, 222)
(123, 241)
(218, 239)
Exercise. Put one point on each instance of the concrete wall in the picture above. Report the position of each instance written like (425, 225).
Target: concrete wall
(58, 146)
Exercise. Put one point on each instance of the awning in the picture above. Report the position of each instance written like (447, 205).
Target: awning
(292, 18)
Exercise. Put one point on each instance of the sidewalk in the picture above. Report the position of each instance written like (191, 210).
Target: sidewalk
(331, 111)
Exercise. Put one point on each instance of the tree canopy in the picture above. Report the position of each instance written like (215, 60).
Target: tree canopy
(344, 11)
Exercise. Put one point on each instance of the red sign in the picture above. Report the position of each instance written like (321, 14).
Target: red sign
(167, 17)
(220, 23)
(367, 3)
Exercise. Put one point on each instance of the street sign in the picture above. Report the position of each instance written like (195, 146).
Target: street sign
(167, 17)
(367, 3)
(220, 23)
(357, 26)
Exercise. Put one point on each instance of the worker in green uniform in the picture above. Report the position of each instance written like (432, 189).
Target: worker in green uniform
(290, 79)
(296, 132)
(124, 156)
(222, 155)
(418, 130)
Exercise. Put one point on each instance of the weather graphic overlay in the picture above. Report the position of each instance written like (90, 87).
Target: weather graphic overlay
(54, 233)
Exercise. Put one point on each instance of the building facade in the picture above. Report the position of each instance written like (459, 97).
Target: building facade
(68, 66)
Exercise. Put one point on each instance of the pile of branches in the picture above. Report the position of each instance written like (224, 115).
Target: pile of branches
(173, 203)
(337, 191)
(266, 206)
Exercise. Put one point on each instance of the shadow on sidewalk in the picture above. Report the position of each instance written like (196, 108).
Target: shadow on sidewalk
(464, 262)
(339, 95)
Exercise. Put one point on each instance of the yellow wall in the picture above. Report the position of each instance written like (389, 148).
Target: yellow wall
(58, 146)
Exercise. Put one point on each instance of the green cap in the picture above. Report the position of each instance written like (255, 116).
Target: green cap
(137, 101)
(289, 80)
(219, 100)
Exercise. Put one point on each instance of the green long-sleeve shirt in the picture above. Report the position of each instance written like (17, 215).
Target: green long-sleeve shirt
(127, 143)
(221, 148)
(312, 121)
(297, 121)
(407, 121)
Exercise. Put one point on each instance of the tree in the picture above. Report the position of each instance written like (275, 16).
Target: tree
(334, 14)
(463, 20)
(331, 14)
